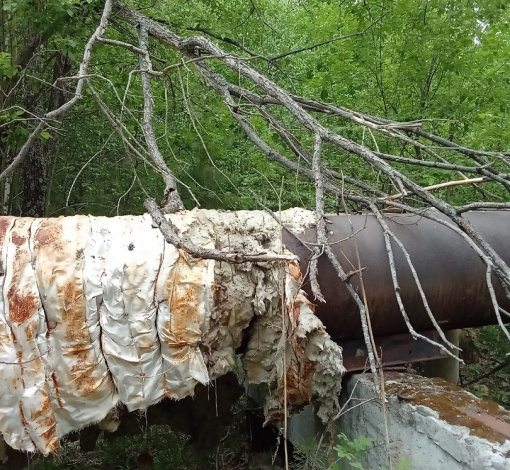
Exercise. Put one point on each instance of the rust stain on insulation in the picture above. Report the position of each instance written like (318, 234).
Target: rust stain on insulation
(57, 389)
(18, 240)
(83, 371)
(295, 272)
(24, 423)
(42, 411)
(50, 235)
(301, 369)
(21, 307)
(74, 315)
(184, 287)
(50, 435)
(86, 383)
(299, 380)
(51, 438)
(157, 276)
(4, 225)
(19, 355)
(30, 331)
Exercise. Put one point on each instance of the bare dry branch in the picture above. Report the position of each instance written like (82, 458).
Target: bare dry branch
(166, 227)
(322, 239)
(171, 200)
(448, 184)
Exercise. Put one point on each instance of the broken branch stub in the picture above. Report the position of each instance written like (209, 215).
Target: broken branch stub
(96, 311)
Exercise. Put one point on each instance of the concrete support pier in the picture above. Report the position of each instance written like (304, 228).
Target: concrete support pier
(432, 424)
(447, 368)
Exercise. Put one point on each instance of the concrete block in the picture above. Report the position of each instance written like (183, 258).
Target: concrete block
(431, 423)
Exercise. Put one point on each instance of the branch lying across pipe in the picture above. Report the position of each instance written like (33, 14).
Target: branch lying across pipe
(313, 126)
(441, 186)
(386, 229)
(394, 278)
(269, 151)
(167, 229)
(430, 164)
(299, 108)
(495, 302)
(324, 247)
(483, 205)
(322, 238)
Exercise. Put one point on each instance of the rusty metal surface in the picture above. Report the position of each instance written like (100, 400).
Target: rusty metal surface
(393, 350)
(452, 275)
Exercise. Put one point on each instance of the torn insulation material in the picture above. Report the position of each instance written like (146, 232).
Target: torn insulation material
(95, 311)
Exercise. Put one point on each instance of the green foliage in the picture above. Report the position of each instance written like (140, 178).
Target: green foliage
(7, 69)
(442, 60)
(170, 450)
(349, 454)
(351, 451)
(491, 349)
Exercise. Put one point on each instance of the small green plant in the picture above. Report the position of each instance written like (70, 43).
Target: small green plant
(349, 454)
(351, 451)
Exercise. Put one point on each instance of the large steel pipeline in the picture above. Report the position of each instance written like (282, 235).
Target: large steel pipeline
(450, 272)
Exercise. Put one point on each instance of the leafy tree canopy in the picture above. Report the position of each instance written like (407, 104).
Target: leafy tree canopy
(442, 61)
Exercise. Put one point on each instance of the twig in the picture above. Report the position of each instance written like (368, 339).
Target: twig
(386, 229)
(84, 166)
(283, 301)
(483, 205)
(199, 135)
(396, 287)
(122, 196)
(228, 40)
(128, 140)
(125, 45)
(329, 41)
(499, 367)
(495, 301)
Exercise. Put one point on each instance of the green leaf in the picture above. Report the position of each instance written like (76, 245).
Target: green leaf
(44, 135)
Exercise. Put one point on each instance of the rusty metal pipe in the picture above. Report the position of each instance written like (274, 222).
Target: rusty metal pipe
(452, 275)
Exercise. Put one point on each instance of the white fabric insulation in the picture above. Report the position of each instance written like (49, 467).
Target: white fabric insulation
(96, 311)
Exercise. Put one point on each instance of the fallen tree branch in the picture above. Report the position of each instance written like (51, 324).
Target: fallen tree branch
(320, 224)
(299, 109)
(171, 199)
(394, 277)
(184, 243)
(441, 186)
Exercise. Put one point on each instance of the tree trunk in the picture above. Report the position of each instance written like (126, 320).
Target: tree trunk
(37, 169)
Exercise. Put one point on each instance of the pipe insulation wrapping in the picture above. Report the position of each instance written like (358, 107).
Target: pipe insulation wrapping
(95, 311)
